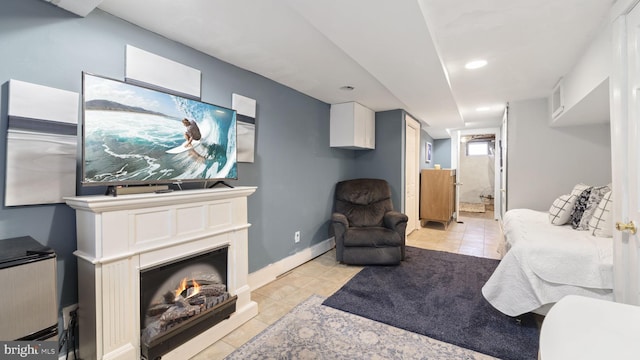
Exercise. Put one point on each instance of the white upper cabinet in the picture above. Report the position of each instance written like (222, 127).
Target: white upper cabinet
(353, 126)
(582, 96)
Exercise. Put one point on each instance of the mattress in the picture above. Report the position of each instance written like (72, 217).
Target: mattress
(545, 262)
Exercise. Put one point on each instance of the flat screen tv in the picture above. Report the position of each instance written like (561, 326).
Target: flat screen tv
(136, 135)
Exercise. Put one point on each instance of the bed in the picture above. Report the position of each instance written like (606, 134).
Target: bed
(543, 262)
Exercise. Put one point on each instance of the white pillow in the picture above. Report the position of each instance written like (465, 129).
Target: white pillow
(560, 210)
(601, 223)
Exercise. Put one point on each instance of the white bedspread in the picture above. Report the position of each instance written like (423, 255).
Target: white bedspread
(544, 262)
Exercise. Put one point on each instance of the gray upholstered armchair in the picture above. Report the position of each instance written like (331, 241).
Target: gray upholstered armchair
(366, 228)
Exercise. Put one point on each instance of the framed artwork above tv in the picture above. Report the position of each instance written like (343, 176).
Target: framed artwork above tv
(136, 135)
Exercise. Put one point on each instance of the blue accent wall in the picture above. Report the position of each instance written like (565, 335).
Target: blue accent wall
(442, 153)
(387, 160)
(424, 139)
(295, 170)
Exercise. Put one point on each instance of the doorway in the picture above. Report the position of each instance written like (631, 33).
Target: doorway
(478, 182)
(477, 173)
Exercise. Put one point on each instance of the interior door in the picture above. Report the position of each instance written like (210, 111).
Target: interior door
(455, 164)
(630, 240)
(412, 166)
(625, 113)
(501, 194)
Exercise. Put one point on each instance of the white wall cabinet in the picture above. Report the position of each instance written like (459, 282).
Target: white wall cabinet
(584, 90)
(353, 126)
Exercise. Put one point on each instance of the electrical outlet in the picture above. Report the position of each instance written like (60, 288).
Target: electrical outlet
(296, 237)
(66, 314)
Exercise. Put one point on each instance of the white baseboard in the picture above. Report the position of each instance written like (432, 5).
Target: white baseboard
(270, 272)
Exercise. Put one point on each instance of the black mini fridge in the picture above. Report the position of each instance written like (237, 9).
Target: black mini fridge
(29, 308)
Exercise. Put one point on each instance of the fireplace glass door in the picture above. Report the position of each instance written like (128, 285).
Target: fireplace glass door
(182, 299)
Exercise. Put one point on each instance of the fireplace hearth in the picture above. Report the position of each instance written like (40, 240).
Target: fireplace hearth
(121, 239)
(182, 299)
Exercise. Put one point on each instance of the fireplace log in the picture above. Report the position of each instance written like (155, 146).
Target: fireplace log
(182, 310)
(150, 320)
(157, 309)
(154, 345)
(207, 279)
(175, 313)
(181, 302)
(213, 301)
(198, 299)
(213, 289)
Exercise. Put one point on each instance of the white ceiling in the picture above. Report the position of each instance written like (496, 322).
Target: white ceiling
(407, 54)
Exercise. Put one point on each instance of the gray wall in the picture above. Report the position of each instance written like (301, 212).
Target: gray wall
(387, 160)
(424, 139)
(442, 153)
(546, 162)
(295, 169)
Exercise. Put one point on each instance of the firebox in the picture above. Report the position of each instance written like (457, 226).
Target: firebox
(182, 299)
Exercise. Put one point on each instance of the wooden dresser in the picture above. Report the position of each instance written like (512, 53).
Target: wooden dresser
(437, 195)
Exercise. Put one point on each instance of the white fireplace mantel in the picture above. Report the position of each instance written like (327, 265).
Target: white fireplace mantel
(117, 237)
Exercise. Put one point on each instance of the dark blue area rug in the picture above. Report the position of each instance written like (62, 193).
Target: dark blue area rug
(438, 294)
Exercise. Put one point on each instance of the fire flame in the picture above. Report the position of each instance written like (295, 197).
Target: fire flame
(183, 286)
(196, 287)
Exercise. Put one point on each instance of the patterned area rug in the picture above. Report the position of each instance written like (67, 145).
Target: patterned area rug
(314, 331)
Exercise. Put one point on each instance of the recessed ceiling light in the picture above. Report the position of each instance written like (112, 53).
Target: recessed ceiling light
(475, 64)
(347, 88)
(495, 107)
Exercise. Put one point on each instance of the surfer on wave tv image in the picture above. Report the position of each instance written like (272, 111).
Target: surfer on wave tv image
(136, 135)
(192, 133)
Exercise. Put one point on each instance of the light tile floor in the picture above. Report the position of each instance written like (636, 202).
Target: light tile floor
(477, 234)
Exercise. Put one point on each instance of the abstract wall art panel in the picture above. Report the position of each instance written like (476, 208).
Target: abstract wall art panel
(41, 144)
(246, 112)
(161, 73)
